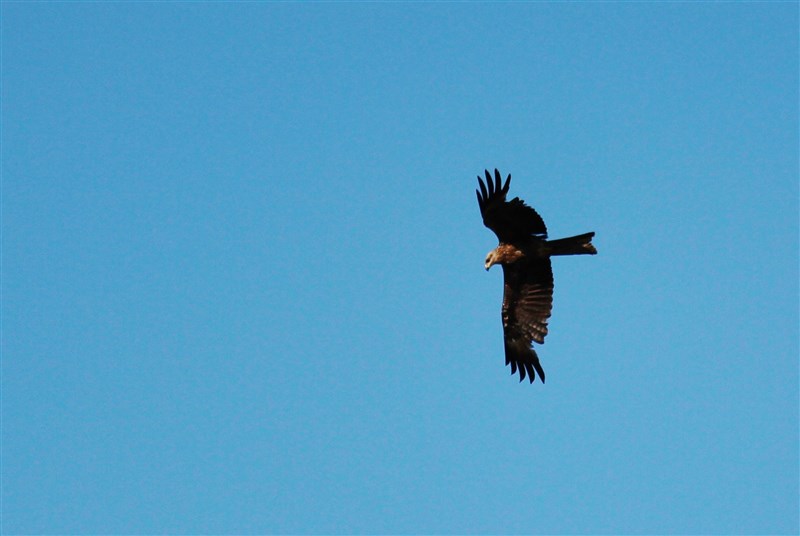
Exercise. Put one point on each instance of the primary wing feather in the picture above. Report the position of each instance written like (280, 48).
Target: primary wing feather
(510, 220)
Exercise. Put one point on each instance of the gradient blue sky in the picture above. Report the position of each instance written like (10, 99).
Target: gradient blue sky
(242, 268)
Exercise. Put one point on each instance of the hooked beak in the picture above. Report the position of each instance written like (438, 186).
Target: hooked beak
(489, 262)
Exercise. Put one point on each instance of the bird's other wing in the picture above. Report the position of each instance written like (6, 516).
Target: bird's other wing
(527, 303)
(510, 220)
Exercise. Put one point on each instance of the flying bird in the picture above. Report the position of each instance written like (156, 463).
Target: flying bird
(524, 253)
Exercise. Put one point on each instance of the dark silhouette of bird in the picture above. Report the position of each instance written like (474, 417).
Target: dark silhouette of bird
(524, 253)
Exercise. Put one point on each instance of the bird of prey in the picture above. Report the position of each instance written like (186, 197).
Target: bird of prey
(524, 253)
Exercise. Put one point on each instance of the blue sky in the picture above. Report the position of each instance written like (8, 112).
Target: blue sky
(242, 268)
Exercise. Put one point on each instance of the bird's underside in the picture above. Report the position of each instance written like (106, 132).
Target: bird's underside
(524, 253)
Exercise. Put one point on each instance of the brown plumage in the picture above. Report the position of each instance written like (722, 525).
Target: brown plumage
(524, 252)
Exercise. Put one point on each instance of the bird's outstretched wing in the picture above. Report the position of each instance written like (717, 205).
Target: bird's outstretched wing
(527, 303)
(510, 220)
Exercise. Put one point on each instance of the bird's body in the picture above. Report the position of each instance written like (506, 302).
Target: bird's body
(524, 252)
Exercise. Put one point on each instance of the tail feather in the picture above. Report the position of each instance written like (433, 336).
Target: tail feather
(574, 245)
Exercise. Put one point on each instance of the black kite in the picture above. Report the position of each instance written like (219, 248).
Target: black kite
(524, 252)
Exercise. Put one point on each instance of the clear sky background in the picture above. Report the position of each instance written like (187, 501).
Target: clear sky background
(243, 285)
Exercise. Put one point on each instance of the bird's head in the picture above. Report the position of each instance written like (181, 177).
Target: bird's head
(491, 259)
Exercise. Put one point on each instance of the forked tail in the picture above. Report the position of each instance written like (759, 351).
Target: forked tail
(574, 245)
